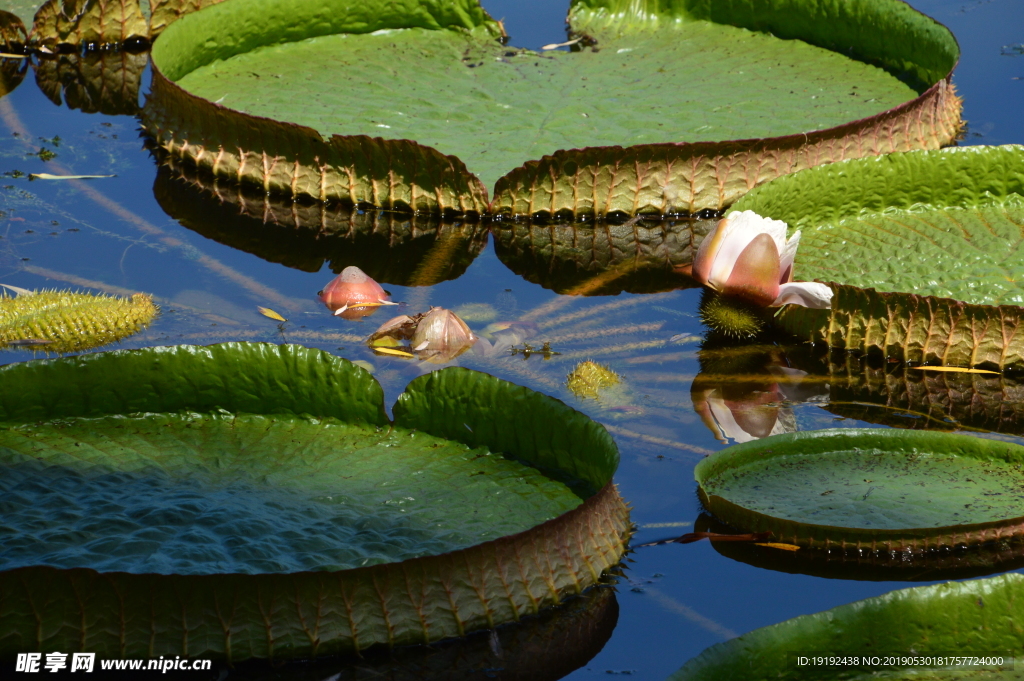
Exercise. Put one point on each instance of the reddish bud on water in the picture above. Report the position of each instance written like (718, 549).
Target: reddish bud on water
(353, 294)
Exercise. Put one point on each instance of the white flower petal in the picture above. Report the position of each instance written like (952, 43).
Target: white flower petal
(806, 293)
(787, 255)
(739, 230)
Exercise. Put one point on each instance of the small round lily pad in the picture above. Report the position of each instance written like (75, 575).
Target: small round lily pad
(907, 491)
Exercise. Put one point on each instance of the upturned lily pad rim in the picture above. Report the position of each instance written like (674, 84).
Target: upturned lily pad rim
(503, 201)
(419, 600)
(838, 440)
(66, 399)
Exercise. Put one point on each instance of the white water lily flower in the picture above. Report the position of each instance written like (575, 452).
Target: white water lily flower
(748, 256)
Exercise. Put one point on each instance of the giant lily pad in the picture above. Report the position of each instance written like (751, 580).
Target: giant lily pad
(263, 93)
(864, 489)
(922, 250)
(250, 500)
(600, 259)
(977, 618)
(421, 250)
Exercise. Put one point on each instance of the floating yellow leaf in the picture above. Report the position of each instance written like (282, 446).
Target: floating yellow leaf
(267, 312)
(774, 545)
(958, 369)
(393, 351)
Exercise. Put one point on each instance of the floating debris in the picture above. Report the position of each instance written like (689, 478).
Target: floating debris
(438, 336)
(48, 176)
(588, 378)
(267, 312)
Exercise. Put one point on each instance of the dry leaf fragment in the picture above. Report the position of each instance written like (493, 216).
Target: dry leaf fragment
(555, 46)
(48, 176)
(18, 290)
(267, 312)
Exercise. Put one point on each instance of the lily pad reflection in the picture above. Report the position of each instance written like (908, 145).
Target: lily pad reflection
(603, 258)
(395, 248)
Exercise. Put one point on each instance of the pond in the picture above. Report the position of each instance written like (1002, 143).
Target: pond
(144, 231)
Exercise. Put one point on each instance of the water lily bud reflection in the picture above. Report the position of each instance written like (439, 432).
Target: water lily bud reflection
(755, 415)
(748, 256)
(441, 336)
(353, 294)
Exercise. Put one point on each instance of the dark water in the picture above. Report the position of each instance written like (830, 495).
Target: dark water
(119, 235)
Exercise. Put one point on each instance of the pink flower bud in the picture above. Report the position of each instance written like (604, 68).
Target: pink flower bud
(352, 294)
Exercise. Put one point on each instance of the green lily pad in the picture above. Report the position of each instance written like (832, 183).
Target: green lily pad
(893, 490)
(976, 618)
(421, 249)
(179, 479)
(920, 249)
(263, 94)
(600, 259)
(166, 12)
(200, 494)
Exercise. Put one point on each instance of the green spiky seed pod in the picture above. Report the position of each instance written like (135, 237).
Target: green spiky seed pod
(68, 321)
(730, 317)
(588, 378)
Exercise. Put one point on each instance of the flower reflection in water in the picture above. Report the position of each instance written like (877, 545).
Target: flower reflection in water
(743, 394)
